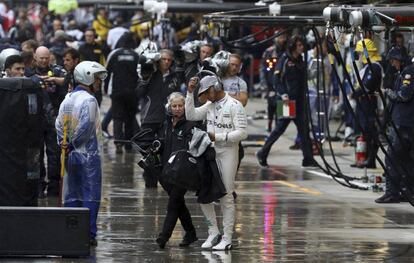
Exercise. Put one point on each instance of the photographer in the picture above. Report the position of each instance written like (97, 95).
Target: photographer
(191, 69)
(205, 51)
(122, 68)
(178, 133)
(154, 88)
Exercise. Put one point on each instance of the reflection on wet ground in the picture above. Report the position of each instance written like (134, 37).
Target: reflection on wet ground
(281, 217)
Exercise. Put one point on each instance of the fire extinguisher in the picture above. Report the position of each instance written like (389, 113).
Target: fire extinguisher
(360, 151)
(316, 147)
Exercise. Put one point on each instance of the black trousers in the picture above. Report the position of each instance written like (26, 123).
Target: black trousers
(271, 112)
(399, 161)
(53, 161)
(124, 108)
(301, 122)
(176, 209)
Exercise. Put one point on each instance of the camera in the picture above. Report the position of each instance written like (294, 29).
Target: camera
(218, 64)
(191, 50)
(150, 157)
(148, 56)
(147, 63)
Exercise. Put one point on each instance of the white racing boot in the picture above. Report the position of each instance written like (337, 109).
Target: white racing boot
(214, 236)
(225, 244)
(212, 239)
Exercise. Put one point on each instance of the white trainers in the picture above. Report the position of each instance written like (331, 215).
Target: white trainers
(224, 244)
(211, 240)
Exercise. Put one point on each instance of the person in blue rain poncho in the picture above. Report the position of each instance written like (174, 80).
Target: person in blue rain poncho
(83, 174)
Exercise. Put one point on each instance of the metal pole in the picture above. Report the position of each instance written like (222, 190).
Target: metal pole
(180, 7)
(106, 2)
(267, 20)
(311, 9)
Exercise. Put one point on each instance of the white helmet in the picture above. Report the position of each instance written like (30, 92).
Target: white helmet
(86, 71)
(219, 62)
(5, 53)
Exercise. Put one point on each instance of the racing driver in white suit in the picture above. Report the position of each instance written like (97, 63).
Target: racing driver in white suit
(226, 126)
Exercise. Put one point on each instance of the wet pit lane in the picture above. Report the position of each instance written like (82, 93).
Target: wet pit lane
(283, 215)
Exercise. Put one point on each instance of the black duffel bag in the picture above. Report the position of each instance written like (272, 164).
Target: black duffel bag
(182, 169)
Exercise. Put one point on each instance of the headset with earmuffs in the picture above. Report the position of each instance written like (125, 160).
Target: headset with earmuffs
(168, 104)
(241, 66)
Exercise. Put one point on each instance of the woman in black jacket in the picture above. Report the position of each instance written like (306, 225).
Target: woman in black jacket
(177, 137)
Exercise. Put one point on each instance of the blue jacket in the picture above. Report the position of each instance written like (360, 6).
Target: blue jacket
(401, 98)
(290, 77)
(367, 107)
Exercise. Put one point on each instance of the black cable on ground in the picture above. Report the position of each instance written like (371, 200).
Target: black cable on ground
(339, 174)
(370, 67)
(366, 95)
(356, 118)
(336, 175)
(404, 178)
(347, 103)
(326, 117)
(382, 127)
(328, 167)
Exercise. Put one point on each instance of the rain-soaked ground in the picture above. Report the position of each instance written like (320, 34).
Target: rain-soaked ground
(283, 214)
